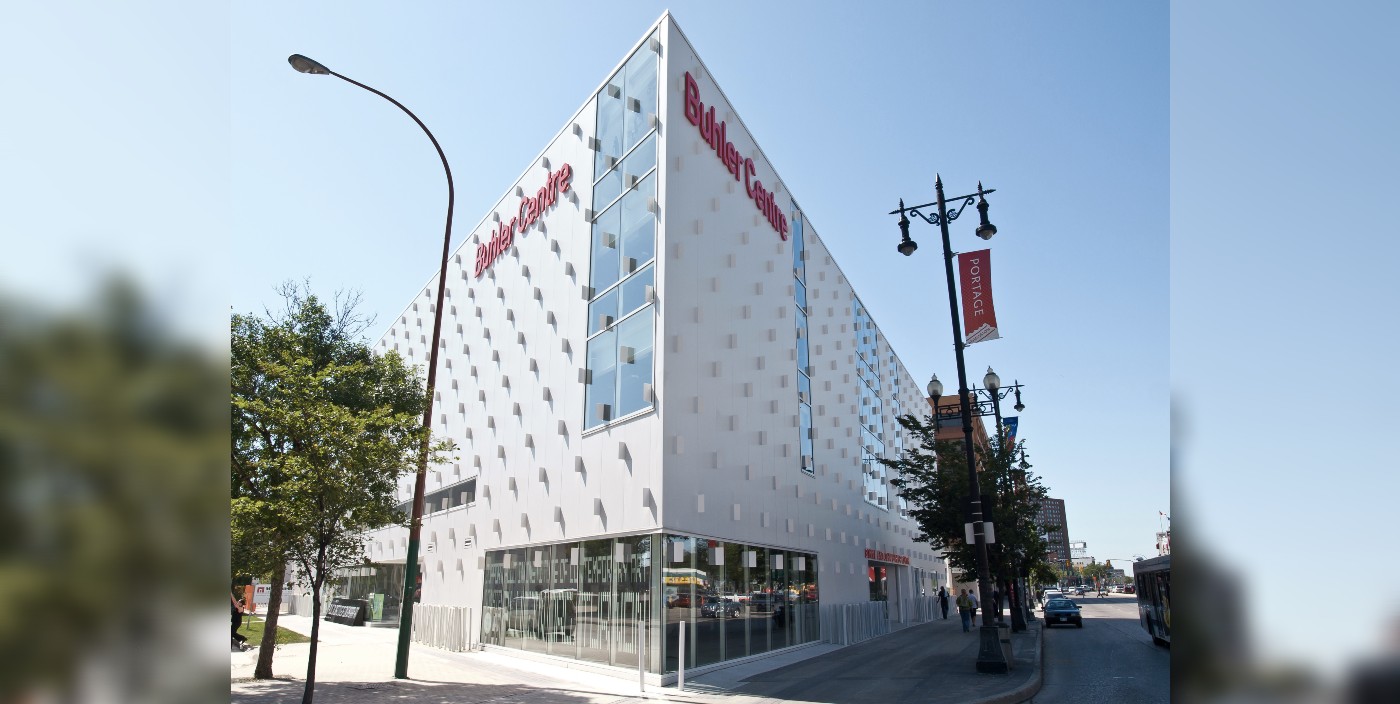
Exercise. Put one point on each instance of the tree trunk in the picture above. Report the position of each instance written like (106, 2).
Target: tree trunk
(263, 671)
(317, 579)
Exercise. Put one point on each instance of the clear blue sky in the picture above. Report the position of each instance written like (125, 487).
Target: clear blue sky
(1066, 118)
(1187, 203)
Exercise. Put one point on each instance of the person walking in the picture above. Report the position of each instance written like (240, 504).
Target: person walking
(965, 610)
(240, 641)
(943, 601)
(972, 595)
(996, 607)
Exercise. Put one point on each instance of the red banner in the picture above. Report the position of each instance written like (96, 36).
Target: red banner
(975, 275)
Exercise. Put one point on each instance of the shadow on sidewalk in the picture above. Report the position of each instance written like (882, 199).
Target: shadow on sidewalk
(400, 692)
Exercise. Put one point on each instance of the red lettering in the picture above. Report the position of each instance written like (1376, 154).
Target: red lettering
(692, 100)
(566, 178)
(748, 171)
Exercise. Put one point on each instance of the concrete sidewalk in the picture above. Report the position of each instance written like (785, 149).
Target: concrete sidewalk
(924, 663)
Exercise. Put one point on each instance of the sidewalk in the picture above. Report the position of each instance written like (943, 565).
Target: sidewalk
(932, 663)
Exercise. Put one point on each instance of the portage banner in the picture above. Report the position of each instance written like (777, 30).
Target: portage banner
(979, 316)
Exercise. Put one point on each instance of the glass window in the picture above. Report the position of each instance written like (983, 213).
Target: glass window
(602, 312)
(640, 84)
(634, 291)
(607, 189)
(800, 293)
(607, 235)
(804, 386)
(641, 161)
(634, 338)
(600, 397)
(638, 227)
(802, 357)
(610, 127)
(799, 267)
(595, 601)
(806, 431)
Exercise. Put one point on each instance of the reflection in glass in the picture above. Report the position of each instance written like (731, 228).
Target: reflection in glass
(600, 397)
(607, 240)
(638, 227)
(640, 80)
(634, 339)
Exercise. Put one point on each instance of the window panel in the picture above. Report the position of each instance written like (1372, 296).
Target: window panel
(638, 227)
(634, 339)
(634, 290)
(607, 244)
(641, 94)
(600, 397)
(602, 312)
(610, 125)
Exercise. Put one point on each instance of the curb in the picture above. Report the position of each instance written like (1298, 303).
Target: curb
(1032, 686)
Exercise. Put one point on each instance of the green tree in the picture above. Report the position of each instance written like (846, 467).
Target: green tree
(932, 478)
(322, 429)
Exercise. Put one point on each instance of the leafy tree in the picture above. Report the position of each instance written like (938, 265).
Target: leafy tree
(932, 478)
(323, 429)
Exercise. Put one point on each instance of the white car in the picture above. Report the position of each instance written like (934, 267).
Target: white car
(1053, 594)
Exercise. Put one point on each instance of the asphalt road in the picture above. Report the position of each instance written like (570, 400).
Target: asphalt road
(1110, 659)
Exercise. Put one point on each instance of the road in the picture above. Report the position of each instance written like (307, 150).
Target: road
(1110, 659)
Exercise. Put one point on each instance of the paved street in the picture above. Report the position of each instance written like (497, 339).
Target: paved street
(930, 663)
(1110, 659)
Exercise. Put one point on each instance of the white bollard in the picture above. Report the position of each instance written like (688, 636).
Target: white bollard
(680, 662)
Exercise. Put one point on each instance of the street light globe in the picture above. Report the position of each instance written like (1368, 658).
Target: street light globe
(935, 387)
(991, 380)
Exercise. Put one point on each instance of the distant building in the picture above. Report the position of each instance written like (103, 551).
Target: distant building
(1164, 543)
(1078, 550)
(1051, 519)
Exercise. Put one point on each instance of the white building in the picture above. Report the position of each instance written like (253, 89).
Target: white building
(662, 387)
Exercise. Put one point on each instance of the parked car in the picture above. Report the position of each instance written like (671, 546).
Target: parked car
(1079, 591)
(1130, 589)
(1053, 594)
(761, 602)
(1060, 612)
(715, 607)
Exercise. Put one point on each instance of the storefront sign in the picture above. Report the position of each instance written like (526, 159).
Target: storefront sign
(530, 210)
(975, 275)
(883, 556)
(741, 167)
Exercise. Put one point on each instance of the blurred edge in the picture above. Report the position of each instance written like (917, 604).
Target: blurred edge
(113, 528)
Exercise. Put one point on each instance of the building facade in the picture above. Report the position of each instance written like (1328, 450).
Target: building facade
(666, 397)
(1053, 523)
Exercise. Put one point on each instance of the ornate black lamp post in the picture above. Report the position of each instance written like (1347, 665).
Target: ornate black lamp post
(989, 654)
(305, 65)
(987, 402)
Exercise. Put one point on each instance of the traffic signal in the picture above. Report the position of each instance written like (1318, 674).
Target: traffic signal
(1108, 564)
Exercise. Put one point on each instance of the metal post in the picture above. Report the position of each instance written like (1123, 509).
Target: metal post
(680, 659)
(989, 656)
(642, 655)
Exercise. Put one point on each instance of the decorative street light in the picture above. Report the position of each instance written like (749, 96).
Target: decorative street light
(989, 654)
(987, 402)
(306, 65)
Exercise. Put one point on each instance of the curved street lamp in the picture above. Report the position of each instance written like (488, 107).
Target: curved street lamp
(989, 654)
(310, 66)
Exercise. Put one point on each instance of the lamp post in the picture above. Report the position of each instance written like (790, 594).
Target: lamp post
(989, 655)
(306, 65)
(984, 402)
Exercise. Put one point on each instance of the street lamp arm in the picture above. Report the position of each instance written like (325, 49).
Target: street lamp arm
(438, 147)
(953, 213)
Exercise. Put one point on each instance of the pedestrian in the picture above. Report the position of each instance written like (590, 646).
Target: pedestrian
(240, 641)
(965, 610)
(943, 601)
(972, 594)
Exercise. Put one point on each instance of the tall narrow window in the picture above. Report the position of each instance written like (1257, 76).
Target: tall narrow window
(621, 317)
(804, 361)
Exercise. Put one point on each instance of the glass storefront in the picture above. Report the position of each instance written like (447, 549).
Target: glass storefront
(592, 600)
(379, 586)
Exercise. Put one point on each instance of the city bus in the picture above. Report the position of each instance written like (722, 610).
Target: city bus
(1153, 579)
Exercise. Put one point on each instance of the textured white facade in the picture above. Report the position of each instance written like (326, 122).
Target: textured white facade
(719, 454)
